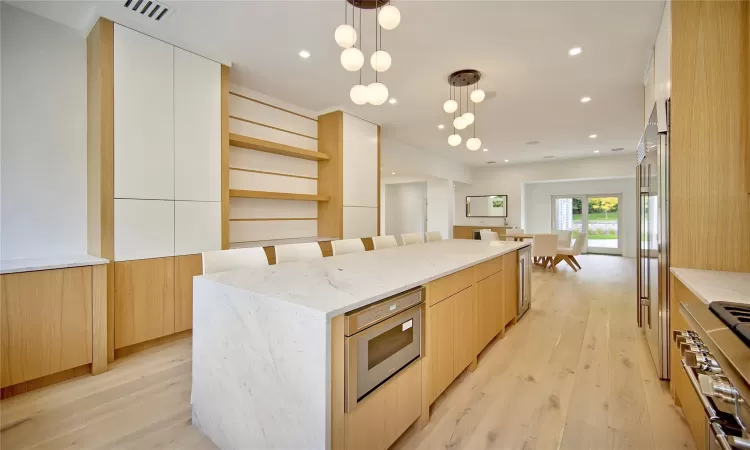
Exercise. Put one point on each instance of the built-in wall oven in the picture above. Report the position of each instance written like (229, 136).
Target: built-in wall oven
(381, 339)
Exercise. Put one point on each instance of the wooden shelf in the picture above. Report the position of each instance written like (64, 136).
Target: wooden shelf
(272, 147)
(277, 195)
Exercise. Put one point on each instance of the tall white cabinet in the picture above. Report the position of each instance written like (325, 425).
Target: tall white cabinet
(360, 164)
(167, 149)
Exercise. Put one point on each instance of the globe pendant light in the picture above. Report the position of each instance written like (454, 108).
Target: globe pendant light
(450, 106)
(389, 17)
(380, 61)
(477, 95)
(459, 123)
(473, 144)
(360, 94)
(345, 35)
(377, 93)
(468, 118)
(454, 140)
(352, 59)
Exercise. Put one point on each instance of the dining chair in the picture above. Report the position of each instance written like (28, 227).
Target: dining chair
(345, 246)
(237, 258)
(297, 252)
(381, 242)
(489, 235)
(512, 231)
(433, 236)
(411, 238)
(569, 254)
(563, 240)
(544, 250)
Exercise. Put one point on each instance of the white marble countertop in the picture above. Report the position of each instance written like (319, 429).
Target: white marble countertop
(272, 242)
(714, 286)
(48, 263)
(339, 284)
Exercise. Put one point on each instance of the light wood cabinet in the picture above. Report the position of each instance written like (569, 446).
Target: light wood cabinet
(444, 287)
(185, 268)
(46, 326)
(510, 284)
(441, 346)
(490, 309)
(464, 329)
(144, 300)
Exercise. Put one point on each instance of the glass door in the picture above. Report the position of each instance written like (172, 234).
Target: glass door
(568, 214)
(604, 224)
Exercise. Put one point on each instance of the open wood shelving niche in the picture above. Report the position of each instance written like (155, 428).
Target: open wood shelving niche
(277, 195)
(249, 143)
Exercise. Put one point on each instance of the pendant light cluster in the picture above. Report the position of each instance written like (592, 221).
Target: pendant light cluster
(464, 83)
(386, 17)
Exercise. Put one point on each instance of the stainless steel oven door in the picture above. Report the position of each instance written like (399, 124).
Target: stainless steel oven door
(376, 353)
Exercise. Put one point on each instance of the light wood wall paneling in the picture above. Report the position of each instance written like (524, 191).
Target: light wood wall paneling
(225, 205)
(249, 231)
(185, 268)
(144, 300)
(710, 208)
(250, 208)
(330, 174)
(99, 319)
(100, 164)
(246, 108)
(273, 106)
(249, 135)
(243, 158)
(46, 325)
(258, 181)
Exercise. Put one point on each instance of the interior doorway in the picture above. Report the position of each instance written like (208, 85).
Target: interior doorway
(598, 214)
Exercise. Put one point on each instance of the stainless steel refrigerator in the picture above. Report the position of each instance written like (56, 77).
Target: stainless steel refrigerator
(652, 181)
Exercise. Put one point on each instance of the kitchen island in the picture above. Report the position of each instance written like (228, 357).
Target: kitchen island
(268, 344)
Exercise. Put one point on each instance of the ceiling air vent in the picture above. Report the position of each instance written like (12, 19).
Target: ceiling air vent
(491, 162)
(532, 143)
(149, 9)
(619, 149)
(548, 157)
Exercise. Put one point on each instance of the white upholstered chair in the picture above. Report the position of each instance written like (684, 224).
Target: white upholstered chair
(488, 235)
(544, 250)
(433, 236)
(511, 231)
(411, 238)
(381, 242)
(563, 240)
(568, 254)
(345, 246)
(237, 258)
(297, 252)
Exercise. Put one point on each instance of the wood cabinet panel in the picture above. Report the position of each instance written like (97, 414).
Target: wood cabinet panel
(510, 284)
(383, 416)
(444, 287)
(490, 309)
(464, 329)
(185, 268)
(441, 346)
(488, 268)
(144, 300)
(45, 325)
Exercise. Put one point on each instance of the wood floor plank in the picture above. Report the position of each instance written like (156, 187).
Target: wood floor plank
(573, 373)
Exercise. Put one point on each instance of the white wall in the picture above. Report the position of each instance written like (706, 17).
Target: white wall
(509, 180)
(411, 161)
(440, 207)
(404, 212)
(43, 159)
(537, 205)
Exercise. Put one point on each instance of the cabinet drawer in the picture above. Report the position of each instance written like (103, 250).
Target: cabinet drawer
(443, 288)
(488, 268)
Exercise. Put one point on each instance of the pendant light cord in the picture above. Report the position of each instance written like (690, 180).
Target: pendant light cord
(359, 37)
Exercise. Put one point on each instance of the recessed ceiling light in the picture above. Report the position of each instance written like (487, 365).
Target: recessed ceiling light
(393, 173)
(575, 51)
(441, 126)
(304, 54)
(596, 151)
(484, 150)
(507, 160)
(393, 101)
(585, 99)
(592, 136)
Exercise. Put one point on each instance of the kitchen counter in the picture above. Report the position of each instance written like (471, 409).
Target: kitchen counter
(262, 337)
(48, 263)
(714, 286)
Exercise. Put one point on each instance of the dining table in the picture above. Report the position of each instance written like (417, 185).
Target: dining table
(519, 237)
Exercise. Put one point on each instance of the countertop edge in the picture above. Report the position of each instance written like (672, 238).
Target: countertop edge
(684, 276)
(40, 264)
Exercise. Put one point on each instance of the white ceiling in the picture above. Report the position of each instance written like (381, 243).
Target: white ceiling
(521, 48)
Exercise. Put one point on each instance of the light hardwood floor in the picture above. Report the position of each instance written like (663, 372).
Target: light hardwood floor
(574, 373)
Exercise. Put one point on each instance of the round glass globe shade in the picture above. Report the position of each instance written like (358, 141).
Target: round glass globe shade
(389, 17)
(450, 106)
(459, 123)
(380, 61)
(345, 35)
(359, 94)
(377, 93)
(473, 144)
(477, 95)
(468, 118)
(352, 59)
(454, 140)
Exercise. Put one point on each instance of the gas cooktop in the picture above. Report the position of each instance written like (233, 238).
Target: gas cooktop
(736, 316)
